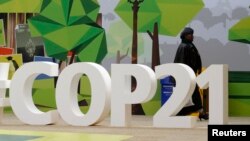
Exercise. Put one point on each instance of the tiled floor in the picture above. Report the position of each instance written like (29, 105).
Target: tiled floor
(141, 130)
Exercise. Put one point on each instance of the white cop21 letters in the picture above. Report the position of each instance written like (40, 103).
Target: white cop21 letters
(113, 94)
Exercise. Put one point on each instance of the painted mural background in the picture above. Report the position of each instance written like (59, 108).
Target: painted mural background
(211, 27)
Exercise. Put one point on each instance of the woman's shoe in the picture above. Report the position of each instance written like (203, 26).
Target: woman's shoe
(203, 116)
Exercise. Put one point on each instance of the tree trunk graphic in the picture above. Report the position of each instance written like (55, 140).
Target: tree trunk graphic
(119, 57)
(155, 46)
(136, 108)
(135, 8)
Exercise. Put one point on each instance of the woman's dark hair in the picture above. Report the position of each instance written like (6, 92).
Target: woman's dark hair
(186, 31)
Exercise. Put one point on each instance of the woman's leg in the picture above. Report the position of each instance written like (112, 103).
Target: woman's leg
(197, 103)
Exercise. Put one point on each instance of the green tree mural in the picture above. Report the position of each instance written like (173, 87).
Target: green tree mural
(166, 17)
(72, 28)
(20, 6)
(64, 25)
(119, 43)
(240, 32)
